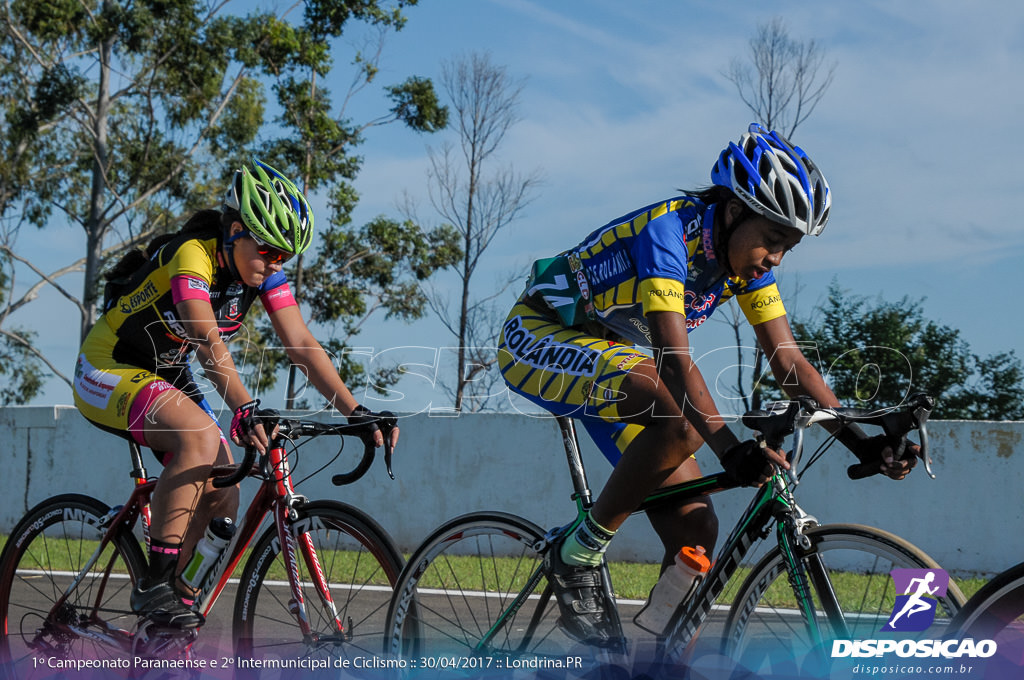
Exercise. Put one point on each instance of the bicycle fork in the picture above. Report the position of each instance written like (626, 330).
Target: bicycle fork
(808, 576)
(289, 526)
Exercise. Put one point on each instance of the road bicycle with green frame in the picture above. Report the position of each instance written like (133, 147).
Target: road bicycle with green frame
(475, 589)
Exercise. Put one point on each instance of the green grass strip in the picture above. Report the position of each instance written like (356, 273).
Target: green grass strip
(631, 580)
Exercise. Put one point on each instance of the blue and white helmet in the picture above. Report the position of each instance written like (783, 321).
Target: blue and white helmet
(776, 179)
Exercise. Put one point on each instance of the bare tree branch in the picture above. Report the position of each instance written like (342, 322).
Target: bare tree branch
(478, 204)
(783, 80)
(39, 355)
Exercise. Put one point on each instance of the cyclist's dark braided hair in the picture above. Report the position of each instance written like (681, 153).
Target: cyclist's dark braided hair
(721, 195)
(211, 221)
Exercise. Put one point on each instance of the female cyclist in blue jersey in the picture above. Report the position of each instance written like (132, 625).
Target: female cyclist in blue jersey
(571, 344)
(187, 296)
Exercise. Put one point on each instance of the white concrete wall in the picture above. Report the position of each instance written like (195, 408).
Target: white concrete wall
(970, 519)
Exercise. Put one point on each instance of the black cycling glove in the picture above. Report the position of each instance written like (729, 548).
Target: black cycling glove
(361, 414)
(746, 463)
(869, 452)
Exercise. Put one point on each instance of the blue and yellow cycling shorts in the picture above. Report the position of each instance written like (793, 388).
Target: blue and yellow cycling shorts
(570, 373)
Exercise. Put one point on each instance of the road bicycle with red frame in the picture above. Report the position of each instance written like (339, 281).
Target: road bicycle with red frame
(316, 582)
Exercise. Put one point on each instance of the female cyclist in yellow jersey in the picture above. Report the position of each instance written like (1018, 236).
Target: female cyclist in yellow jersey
(572, 344)
(186, 296)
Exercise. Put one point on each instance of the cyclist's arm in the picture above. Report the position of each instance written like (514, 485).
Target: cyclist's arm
(680, 375)
(213, 355)
(798, 377)
(306, 353)
(791, 369)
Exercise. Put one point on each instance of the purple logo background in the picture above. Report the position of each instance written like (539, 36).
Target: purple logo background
(917, 591)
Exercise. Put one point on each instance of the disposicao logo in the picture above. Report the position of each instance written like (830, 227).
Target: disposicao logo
(918, 592)
(915, 608)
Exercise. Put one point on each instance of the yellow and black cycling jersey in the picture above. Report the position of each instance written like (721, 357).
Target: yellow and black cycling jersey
(144, 317)
(139, 348)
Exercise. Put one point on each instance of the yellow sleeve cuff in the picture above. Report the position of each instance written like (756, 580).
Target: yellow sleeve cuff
(762, 305)
(663, 295)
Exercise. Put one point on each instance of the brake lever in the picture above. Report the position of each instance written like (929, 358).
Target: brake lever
(388, 423)
(388, 450)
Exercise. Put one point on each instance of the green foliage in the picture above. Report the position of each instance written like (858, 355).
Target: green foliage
(327, 18)
(356, 272)
(417, 105)
(128, 116)
(21, 373)
(876, 354)
(378, 267)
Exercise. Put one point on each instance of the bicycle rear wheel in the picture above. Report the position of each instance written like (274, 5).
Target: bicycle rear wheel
(472, 594)
(996, 612)
(765, 631)
(49, 547)
(355, 558)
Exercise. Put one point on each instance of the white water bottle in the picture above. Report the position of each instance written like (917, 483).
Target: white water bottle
(208, 549)
(674, 586)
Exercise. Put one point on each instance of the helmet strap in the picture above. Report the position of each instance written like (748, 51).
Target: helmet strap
(723, 233)
(228, 249)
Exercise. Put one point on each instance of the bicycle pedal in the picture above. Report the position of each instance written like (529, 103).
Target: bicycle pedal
(155, 641)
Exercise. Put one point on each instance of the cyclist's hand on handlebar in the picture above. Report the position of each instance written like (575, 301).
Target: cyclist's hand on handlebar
(750, 462)
(898, 469)
(246, 430)
(361, 414)
(880, 450)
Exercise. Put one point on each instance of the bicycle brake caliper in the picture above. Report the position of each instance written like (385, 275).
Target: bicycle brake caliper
(801, 521)
(109, 517)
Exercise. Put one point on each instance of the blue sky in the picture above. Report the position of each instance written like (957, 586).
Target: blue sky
(919, 136)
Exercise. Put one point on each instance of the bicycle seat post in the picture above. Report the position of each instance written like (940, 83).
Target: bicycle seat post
(580, 485)
(138, 472)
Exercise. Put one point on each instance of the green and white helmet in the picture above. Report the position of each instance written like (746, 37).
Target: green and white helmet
(272, 207)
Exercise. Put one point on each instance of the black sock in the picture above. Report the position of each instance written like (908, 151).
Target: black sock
(163, 562)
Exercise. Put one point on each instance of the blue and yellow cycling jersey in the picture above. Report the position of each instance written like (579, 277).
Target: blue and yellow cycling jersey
(658, 258)
(661, 258)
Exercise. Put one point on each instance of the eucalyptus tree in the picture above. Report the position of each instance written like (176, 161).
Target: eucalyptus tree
(123, 116)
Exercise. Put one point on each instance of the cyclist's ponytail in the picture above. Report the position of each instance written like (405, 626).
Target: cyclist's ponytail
(204, 222)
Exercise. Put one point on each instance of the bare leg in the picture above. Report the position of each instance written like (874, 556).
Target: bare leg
(693, 523)
(660, 455)
(178, 425)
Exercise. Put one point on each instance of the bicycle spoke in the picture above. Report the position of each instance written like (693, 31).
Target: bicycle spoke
(62, 531)
(761, 632)
(342, 555)
(471, 574)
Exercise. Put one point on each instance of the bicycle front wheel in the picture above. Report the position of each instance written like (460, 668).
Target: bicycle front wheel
(765, 630)
(48, 549)
(996, 612)
(346, 567)
(473, 593)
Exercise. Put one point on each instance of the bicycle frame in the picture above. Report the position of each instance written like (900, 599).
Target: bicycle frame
(275, 496)
(772, 502)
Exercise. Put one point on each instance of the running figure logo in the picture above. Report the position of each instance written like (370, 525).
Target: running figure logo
(915, 608)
